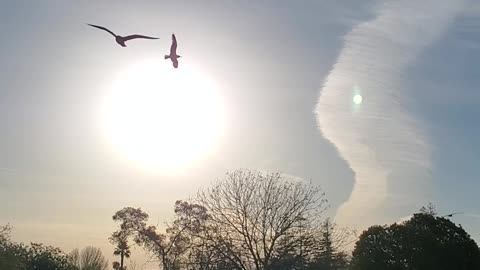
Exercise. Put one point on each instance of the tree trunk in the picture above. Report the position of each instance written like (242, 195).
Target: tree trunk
(121, 260)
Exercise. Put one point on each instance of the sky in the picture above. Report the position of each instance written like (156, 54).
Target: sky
(286, 73)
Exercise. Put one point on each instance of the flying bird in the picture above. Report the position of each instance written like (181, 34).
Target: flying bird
(452, 214)
(119, 39)
(173, 52)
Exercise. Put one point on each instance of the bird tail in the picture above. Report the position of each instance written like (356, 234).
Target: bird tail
(167, 56)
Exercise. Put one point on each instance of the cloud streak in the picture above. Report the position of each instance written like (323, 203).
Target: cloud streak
(472, 215)
(380, 139)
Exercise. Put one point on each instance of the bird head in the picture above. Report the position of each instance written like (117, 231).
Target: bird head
(179, 56)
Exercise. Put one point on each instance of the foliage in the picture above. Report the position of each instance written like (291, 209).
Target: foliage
(15, 256)
(5, 232)
(122, 249)
(423, 242)
(43, 257)
(331, 247)
(170, 247)
(429, 209)
(248, 220)
(12, 256)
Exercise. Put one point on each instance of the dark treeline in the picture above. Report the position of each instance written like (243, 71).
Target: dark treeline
(17, 256)
(254, 221)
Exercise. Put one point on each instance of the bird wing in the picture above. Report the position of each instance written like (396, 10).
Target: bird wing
(137, 36)
(173, 48)
(175, 63)
(102, 28)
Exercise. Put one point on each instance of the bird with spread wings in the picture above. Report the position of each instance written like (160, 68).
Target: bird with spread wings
(120, 39)
(173, 52)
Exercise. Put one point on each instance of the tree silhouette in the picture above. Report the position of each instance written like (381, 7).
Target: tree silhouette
(255, 218)
(246, 221)
(332, 242)
(423, 242)
(14, 256)
(89, 258)
(429, 209)
(5, 232)
(43, 257)
(170, 247)
(122, 249)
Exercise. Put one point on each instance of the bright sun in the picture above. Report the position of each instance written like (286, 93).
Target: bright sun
(162, 118)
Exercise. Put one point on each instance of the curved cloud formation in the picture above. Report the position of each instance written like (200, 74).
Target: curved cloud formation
(380, 139)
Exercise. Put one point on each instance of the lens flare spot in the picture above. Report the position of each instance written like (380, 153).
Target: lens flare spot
(357, 99)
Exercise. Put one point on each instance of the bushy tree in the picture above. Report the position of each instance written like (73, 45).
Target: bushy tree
(12, 255)
(5, 232)
(171, 247)
(423, 242)
(15, 256)
(41, 257)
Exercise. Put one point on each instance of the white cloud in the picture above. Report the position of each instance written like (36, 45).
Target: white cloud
(380, 137)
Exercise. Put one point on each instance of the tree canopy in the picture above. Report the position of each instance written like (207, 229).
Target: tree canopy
(247, 220)
(15, 256)
(259, 219)
(425, 242)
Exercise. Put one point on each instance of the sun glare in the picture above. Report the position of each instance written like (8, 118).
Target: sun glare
(162, 118)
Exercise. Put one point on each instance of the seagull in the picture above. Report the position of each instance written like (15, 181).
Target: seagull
(173, 52)
(452, 214)
(119, 39)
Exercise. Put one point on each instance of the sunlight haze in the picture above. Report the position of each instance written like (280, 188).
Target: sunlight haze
(374, 101)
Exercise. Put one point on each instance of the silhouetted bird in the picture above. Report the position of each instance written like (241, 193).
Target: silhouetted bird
(173, 52)
(119, 39)
(452, 214)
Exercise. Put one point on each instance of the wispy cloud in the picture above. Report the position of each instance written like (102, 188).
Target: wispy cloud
(380, 137)
(5, 169)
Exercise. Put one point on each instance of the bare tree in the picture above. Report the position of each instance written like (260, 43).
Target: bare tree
(429, 209)
(89, 258)
(251, 214)
(132, 265)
